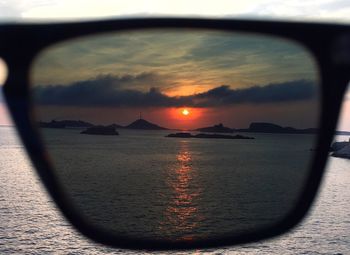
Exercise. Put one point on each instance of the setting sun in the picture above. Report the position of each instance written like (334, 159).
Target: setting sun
(185, 112)
(185, 118)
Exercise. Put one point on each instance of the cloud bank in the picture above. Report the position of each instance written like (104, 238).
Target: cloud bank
(111, 91)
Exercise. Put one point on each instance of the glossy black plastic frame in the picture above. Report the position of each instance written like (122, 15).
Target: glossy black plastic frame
(329, 44)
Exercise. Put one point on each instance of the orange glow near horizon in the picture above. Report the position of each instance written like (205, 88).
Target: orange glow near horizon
(185, 117)
(187, 88)
(185, 113)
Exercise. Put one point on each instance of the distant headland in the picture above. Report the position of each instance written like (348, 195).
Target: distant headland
(65, 124)
(258, 127)
(265, 127)
(137, 124)
(142, 124)
(219, 128)
(91, 129)
(100, 130)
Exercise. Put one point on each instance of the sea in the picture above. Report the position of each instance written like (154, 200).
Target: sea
(188, 188)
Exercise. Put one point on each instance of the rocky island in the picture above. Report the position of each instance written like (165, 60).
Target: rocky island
(219, 128)
(265, 127)
(203, 135)
(100, 130)
(65, 124)
(144, 124)
(137, 124)
(258, 127)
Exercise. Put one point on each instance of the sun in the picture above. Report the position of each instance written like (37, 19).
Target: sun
(185, 112)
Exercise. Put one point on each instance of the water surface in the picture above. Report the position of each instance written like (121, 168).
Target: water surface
(31, 224)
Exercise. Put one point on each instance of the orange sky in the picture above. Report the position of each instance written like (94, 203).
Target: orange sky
(237, 116)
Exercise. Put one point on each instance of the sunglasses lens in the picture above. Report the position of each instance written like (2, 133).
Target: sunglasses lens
(178, 134)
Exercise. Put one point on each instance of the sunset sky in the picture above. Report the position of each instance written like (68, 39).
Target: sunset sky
(216, 77)
(232, 78)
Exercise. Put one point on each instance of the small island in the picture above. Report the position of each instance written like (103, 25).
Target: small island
(140, 124)
(100, 130)
(265, 127)
(60, 124)
(203, 135)
(219, 128)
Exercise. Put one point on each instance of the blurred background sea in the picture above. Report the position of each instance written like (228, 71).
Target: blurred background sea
(31, 224)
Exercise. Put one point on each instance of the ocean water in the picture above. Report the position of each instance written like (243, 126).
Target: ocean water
(145, 185)
(31, 224)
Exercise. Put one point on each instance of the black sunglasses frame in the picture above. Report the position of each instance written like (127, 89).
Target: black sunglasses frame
(329, 44)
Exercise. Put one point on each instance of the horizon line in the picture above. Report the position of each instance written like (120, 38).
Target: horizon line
(14, 126)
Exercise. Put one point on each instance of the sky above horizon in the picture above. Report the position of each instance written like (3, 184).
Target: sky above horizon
(179, 82)
(220, 77)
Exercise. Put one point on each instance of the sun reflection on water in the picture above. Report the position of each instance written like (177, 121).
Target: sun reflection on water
(182, 216)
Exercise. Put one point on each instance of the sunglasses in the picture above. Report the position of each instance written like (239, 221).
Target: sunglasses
(177, 133)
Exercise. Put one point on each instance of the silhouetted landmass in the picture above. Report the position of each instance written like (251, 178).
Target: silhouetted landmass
(264, 127)
(259, 127)
(65, 124)
(137, 124)
(181, 135)
(220, 128)
(202, 135)
(100, 130)
(144, 124)
(254, 127)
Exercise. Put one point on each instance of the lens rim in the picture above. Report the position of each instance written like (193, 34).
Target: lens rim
(37, 37)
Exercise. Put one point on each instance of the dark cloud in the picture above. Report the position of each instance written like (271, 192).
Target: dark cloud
(271, 93)
(111, 91)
